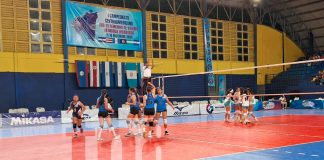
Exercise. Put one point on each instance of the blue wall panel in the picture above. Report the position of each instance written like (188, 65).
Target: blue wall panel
(7, 91)
(245, 81)
(47, 90)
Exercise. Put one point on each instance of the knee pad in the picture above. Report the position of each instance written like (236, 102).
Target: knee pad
(80, 126)
(165, 121)
(128, 121)
(151, 124)
(144, 123)
(74, 125)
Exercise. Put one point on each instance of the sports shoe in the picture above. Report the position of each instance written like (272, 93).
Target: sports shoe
(81, 130)
(149, 136)
(75, 135)
(128, 134)
(166, 133)
(144, 134)
(99, 139)
(117, 137)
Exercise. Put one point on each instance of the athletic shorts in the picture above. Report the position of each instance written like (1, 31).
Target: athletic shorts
(227, 104)
(149, 111)
(134, 110)
(160, 111)
(103, 114)
(245, 107)
(76, 115)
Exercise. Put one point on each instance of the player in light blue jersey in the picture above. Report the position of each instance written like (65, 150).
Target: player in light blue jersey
(162, 100)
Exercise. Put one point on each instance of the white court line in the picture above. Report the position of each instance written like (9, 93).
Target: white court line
(257, 150)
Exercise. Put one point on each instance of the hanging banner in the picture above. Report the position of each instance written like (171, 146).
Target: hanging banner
(100, 27)
(208, 55)
(221, 85)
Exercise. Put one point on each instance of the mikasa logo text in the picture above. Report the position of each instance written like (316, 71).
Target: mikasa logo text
(17, 121)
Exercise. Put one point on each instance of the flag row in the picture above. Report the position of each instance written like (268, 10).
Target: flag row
(108, 74)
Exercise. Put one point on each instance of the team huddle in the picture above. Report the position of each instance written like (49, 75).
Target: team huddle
(151, 117)
(243, 102)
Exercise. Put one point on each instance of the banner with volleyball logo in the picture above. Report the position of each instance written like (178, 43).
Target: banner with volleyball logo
(99, 27)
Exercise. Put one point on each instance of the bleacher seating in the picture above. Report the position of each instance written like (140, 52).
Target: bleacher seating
(296, 78)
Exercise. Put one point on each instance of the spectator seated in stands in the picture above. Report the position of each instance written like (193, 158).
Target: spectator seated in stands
(319, 79)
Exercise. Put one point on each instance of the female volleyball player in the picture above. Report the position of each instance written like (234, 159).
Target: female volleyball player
(104, 110)
(252, 103)
(228, 104)
(77, 114)
(161, 108)
(149, 111)
(245, 106)
(237, 105)
(134, 102)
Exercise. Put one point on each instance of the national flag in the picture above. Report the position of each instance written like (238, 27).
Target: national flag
(106, 40)
(120, 78)
(122, 41)
(94, 74)
(140, 73)
(107, 79)
(82, 73)
(131, 75)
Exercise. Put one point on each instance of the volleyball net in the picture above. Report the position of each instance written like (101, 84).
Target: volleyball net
(292, 80)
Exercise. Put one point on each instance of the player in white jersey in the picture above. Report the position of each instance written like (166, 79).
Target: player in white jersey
(252, 101)
(245, 106)
(237, 105)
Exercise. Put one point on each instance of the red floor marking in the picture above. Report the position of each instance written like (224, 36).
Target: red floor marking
(187, 141)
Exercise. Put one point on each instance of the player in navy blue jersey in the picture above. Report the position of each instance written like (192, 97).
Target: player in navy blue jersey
(105, 110)
(149, 111)
(77, 115)
(162, 100)
(134, 102)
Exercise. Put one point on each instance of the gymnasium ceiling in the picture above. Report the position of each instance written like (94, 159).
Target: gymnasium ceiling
(300, 16)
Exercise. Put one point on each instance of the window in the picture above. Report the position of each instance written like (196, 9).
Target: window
(159, 36)
(217, 40)
(190, 38)
(40, 26)
(85, 51)
(242, 42)
(123, 53)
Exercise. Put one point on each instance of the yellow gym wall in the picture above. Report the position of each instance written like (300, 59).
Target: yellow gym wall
(270, 51)
(16, 56)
